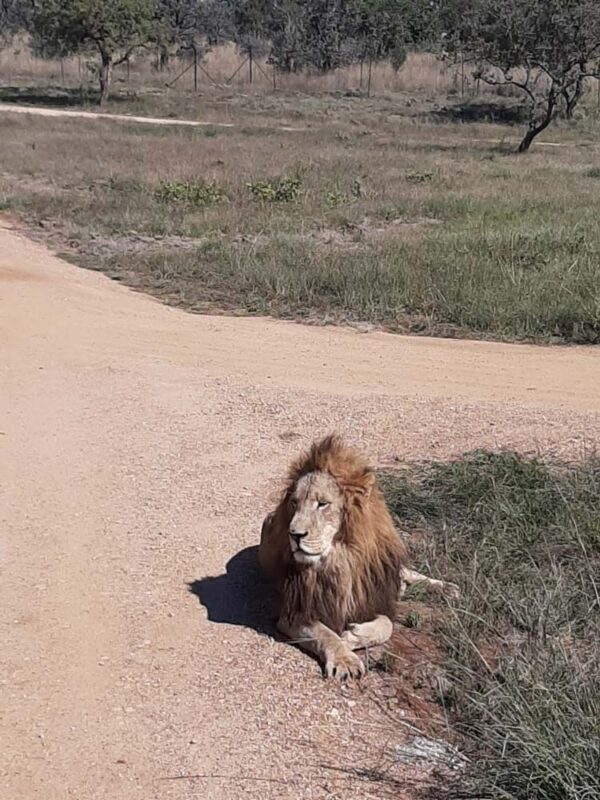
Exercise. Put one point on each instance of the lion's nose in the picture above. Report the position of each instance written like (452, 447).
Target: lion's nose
(297, 535)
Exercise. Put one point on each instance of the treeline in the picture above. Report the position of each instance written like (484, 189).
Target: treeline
(545, 49)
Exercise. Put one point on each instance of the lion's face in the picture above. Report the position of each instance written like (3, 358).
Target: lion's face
(317, 505)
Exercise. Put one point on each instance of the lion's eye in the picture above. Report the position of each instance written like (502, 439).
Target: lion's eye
(321, 504)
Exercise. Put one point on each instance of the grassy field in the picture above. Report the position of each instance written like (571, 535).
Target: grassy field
(522, 644)
(407, 210)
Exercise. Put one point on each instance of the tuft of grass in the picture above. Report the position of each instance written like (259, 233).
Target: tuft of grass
(522, 539)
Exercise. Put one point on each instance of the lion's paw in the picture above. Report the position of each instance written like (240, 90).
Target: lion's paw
(450, 590)
(343, 664)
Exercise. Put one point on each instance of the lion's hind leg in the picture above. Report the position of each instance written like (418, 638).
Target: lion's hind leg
(368, 634)
(411, 577)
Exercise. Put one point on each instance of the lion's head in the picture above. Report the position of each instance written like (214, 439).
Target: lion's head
(324, 486)
(317, 506)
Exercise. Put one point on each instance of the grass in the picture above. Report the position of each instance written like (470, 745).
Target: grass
(371, 210)
(522, 539)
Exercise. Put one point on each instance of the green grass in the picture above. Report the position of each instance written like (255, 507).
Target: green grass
(503, 284)
(522, 539)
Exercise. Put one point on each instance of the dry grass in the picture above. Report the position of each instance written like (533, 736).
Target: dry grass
(421, 72)
(407, 216)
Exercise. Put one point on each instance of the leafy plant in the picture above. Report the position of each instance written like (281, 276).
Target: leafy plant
(416, 176)
(336, 198)
(280, 190)
(191, 193)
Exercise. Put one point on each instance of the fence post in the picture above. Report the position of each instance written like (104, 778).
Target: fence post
(250, 63)
(369, 76)
(62, 71)
(195, 68)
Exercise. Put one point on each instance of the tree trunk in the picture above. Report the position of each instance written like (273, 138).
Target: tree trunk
(105, 76)
(539, 125)
(534, 130)
(572, 100)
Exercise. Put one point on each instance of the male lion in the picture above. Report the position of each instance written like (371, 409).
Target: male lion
(332, 551)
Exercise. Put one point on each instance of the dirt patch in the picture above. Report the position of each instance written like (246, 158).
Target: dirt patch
(353, 236)
(135, 243)
(373, 231)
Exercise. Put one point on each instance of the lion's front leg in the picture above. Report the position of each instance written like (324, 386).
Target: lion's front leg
(368, 634)
(336, 657)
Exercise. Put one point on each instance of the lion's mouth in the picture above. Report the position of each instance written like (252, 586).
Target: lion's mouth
(306, 558)
(302, 556)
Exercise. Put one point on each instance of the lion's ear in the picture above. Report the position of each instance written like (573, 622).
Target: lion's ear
(365, 485)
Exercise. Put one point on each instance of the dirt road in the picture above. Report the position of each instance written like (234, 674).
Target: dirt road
(41, 111)
(139, 449)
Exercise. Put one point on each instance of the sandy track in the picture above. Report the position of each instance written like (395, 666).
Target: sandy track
(139, 447)
(41, 111)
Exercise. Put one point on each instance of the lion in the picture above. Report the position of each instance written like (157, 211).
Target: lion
(335, 558)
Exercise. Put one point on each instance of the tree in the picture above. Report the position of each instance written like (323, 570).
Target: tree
(544, 48)
(191, 20)
(15, 15)
(286, 33)
(326, 45)
(327, 34)
(114, 28)
(383, 29)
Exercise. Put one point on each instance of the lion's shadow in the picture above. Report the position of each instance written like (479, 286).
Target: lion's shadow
(241, 596)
